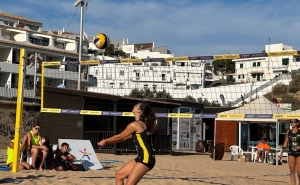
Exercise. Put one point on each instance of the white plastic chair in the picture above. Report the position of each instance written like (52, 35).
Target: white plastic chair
(29, 159)
(235, 150)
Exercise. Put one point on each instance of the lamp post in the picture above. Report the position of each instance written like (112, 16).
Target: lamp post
(81, 3)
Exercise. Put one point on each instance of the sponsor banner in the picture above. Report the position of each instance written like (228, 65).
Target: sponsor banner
(110, 113)
(201, 58)
(230, 116)
(282, 53)
(209, 116)
(128, 114)
(130, 60)
(153, 60)
(50, 110)
(52, 63)
(161, 115)
(291, 116)
(228, 56)
(90, 112)
(90, 62)
(171, 59)
(109, 61)
(176, 115)
(278, 116)
(253, 55)
(70, 111)
(70, 63)
(259, 116)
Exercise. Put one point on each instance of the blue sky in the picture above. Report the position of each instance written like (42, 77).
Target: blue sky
(187, 27)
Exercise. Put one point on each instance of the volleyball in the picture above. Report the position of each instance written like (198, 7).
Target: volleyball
(101, 41)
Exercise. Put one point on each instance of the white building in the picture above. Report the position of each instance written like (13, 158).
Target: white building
(266, 68)
(19, 32)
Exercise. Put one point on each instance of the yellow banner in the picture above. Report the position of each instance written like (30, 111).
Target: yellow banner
(282, 53)
(52, 63)
(229, 56)
(170, 59)
(90, 112)
(181, 115)
(90, 62)
(228, 116)
(127, 114)
(49, 110)
(130, 60)
(286, 116)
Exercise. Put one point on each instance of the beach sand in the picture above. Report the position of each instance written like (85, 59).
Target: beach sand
(182, 169)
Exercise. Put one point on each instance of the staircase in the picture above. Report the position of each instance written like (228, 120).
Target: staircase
(260, 88)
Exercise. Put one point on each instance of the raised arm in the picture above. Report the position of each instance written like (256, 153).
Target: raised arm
(126, 134)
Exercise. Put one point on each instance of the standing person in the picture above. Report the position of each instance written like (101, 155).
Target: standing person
(141, 130)
(292, 139)
(63, 158)
(34, 146)
(61, 85)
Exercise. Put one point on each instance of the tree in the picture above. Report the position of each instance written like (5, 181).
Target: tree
(295, 84)
(110, 50)
(136, 93)
(189, 98)
(163, 94)
(228, 65)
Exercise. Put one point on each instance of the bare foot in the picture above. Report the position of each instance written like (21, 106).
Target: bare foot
(40, 168)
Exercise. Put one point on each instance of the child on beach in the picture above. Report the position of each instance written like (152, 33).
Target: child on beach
(141, 130)
(50, 157)
(63, 158)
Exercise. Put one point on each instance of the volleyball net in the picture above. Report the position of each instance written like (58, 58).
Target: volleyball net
(266, 83)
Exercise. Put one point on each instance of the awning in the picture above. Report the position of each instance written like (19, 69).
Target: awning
(256, 72)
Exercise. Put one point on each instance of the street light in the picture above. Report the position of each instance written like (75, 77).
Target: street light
(81, 3)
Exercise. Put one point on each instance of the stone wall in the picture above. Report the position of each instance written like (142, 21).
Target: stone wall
(31, 115)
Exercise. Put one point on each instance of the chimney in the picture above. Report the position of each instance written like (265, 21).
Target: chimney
(63, 30)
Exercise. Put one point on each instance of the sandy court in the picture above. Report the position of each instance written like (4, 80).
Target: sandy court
(183, 169)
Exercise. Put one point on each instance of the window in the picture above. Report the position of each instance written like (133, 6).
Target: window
(297, 59)
(163, 86)
(111, 85)
(145, 86)
(121, 85)
(258, 63)
(8, 23)
(97, 72)
(146, 73)
(285, 61)
(137, 75)
(60, 45)
(137, 86)
(122, 72)
(154, 87)
(254, 64)
(241, 65)
(163, 77)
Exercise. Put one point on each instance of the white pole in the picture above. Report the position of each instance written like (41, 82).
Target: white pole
(204, 129)
(80, 42)
(240, 134)
(215, 133)
(34, 77)
(277, 140)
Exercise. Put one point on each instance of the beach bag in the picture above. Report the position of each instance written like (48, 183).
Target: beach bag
(77, 167)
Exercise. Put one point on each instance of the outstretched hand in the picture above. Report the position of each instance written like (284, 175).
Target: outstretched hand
(102, 142)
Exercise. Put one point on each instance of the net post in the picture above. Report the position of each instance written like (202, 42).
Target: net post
(19, 110)
(42, 85)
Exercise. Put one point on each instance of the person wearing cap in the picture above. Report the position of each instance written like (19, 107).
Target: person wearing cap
(10, 155)
(292, 141)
